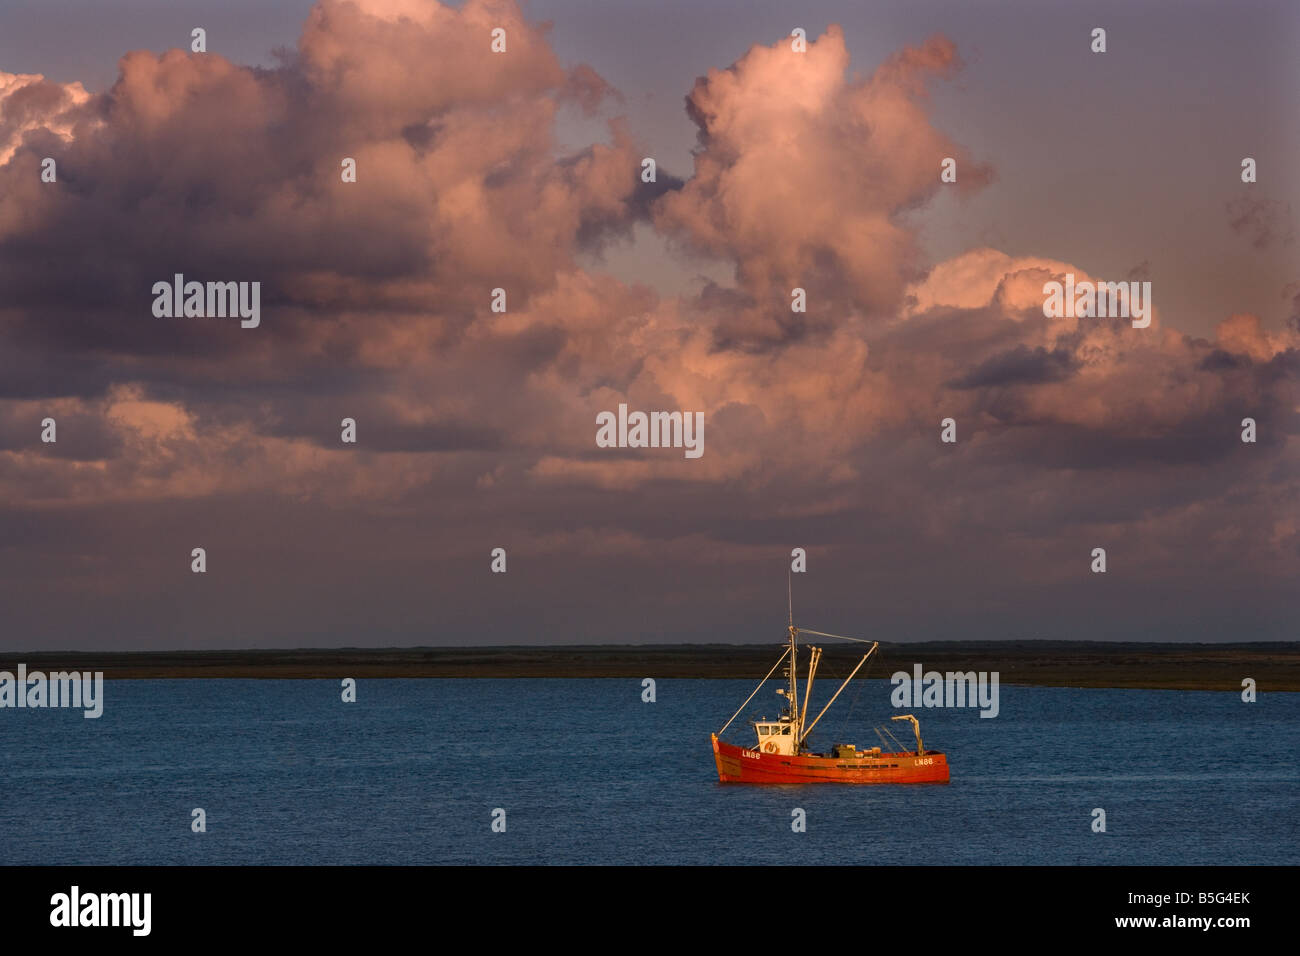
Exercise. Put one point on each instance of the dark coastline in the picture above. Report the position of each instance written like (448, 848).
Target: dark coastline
(1273, 666)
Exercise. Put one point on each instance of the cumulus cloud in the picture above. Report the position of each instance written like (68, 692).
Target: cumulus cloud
(803, 174)
(477, 428)
(31, 104)
(220, 172)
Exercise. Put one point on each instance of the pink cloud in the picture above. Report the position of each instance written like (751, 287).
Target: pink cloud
(803, 174)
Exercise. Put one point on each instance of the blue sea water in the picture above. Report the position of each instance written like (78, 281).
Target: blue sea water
(588, 773)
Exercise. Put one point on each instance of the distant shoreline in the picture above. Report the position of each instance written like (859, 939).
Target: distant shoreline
(1273, 666)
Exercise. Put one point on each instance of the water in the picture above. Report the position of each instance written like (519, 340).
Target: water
(588, 773)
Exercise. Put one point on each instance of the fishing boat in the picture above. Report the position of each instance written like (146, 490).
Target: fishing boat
(780, 754)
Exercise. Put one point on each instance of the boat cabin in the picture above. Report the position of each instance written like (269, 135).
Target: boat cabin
(775, 736)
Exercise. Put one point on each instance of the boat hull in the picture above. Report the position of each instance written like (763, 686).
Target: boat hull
(738, 765)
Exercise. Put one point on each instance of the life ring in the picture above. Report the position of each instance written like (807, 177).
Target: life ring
(770, 747)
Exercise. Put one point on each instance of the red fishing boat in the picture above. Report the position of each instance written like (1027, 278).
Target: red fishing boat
(780, 755)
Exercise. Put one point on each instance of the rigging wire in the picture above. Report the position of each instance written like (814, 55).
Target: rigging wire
(784, 655)
(841, 637)
(884, 745)
(901, 748)
(844, 724)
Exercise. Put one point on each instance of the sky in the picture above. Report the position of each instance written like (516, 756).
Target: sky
(476, 429)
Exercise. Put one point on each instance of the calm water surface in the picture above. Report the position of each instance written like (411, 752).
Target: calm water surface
(588, 773)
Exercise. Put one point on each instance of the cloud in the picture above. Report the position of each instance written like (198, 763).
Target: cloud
(199, 166)
(476, 428)
(1021, 366)
(31, 104)
(1264, 222)
(802, 177)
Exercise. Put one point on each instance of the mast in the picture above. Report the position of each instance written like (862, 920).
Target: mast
(816, 655)
(799, 717)
(838, 692)
(794, 655)
(794, 676)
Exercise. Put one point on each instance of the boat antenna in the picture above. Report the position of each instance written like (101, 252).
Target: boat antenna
(789, 595)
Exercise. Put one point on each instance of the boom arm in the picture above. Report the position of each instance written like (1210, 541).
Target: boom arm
(916, 726)
(805, 732)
